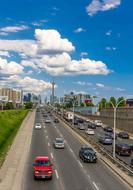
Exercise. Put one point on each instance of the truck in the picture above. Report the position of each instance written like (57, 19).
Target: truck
(69, 116)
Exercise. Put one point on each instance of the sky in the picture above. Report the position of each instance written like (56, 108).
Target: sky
(84, 46)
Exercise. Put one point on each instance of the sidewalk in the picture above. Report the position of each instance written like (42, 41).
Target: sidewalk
(12, 170)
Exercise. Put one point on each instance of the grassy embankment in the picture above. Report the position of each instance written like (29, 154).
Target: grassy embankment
(10, 121)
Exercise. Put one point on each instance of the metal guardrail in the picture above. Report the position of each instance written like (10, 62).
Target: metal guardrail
(100, 149)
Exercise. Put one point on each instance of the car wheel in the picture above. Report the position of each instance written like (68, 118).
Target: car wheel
(84, 160)
(35, 177)
(50, 178)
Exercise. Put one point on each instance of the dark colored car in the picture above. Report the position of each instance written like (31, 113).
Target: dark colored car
(108, 129)
(123, 135)
(87, 154)
(42, 168)
(131, 146)
(92, 125)
(106, 140)
(56, 120)
(123, 149)
(80, 121)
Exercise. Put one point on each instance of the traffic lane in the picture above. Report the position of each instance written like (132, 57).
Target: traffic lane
(99, 132)
(103, 177)
(39, 146)
(71, 173)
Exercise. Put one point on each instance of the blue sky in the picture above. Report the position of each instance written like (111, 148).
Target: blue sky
(84, 46)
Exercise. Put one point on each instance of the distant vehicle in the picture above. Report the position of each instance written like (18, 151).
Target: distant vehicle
(56, 120)
(87, 154)
(42, 168)
(98, 123)
(38, 126)
(69, 116)
(111, 135)
(123, 149)
(105, 140)
(44, 115)
(123, 135)
(90, 132)
(131, 163)
(47, 121)
(81, 127)
(80, 120)
(108, 129)
(92, 125)
(59, 143)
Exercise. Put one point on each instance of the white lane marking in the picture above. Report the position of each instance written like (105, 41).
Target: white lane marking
(89, 176)
(56, 174)
(80, 163)
(47, 136)
(45, 131)
(71, 150)
(97, 188)
(48, 144)
(51, 155)
(44, 126)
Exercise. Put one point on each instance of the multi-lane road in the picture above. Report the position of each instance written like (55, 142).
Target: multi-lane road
(70, 173)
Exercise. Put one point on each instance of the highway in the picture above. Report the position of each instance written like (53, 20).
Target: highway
(100, 132)
(70, 173)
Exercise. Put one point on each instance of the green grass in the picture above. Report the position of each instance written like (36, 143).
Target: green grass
(10, 121)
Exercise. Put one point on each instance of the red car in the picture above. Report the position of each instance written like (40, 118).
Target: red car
(42, 168)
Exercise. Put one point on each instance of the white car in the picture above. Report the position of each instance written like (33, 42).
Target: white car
(90, 132)
(38, 126)
(98, 123)
(47, 121)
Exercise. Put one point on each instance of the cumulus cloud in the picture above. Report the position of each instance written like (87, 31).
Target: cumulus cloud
(101, 5)
(51, 41)
(108, 33)
(27, 83)
(78, 30)
(49, 52)
(10, 68)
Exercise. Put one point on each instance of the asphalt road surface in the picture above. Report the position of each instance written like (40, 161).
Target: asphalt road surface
(70, 173)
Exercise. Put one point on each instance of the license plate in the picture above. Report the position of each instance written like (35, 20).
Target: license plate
(43, 177)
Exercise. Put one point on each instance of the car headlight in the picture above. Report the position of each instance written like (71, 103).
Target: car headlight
(36, 172)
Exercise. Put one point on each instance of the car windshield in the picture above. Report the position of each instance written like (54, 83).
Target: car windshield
(59, 141)
(43, 163)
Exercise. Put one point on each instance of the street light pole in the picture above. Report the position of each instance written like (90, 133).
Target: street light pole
(115, 108)
(73, 115)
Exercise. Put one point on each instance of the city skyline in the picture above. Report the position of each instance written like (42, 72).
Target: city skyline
(83, 46)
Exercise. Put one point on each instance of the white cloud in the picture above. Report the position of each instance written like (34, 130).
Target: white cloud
(27, 83)
(82, 54)
(51, 41)
(47, 42)
(9, 29)
(5, 53)
(3, 34)
(78, 30)
(83, 83)
(36, 24)
(120, 89)
(108, 33)
(108, 48)
(10, 68)
(100, 85)
(101, 5)
(27, 63)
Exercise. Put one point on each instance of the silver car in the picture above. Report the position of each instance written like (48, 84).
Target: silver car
(59, 143)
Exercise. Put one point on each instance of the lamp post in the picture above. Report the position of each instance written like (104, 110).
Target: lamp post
(115, 108)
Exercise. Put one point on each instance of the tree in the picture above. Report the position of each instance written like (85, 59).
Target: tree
(112, 101)
(82, 104)
(123, 102)
(9, 106)
(102, 103)
(28, 105)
